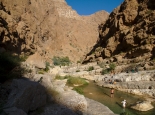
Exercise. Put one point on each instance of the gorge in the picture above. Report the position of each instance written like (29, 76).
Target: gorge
(51, 39)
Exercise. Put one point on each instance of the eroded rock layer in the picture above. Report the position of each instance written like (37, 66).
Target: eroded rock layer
(129, 33)
(47, 28)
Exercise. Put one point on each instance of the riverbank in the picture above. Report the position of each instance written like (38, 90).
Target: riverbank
(137, 83)
(42, 94)
(140, 83)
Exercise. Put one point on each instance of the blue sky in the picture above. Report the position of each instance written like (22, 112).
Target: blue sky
(87, 7)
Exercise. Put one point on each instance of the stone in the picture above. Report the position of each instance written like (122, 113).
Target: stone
(128, 30)
(14, 111)
(72, 100)
(56, 109)
(143, 106)
(26, 95)
(96, 108)
(29, 31)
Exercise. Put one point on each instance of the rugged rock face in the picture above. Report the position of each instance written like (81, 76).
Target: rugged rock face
(129, 33)
(47, 28)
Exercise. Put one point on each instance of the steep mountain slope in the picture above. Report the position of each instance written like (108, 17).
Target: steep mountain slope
(128, 35)
(46, 28)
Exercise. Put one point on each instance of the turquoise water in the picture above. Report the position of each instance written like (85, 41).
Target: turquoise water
(102, 95)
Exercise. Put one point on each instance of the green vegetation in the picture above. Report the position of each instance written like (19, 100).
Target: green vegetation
(53, 92)
(124, 113)
(61, 61)
(76, 82)
(59, 77)
(47, 67)
(90, 68)
(112, 66)
(78, 61)
(10, 66)
(78, 70)
(108, 70)
(101, 64)
(78, 90)
(41, 72)
(105, 71)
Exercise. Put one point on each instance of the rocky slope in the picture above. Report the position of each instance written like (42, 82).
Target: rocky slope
(46, 29)
(128, 36)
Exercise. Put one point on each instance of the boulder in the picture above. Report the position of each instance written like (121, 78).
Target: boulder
(96, 108)
(56, 109)
(72, 100)
(143, 106)
(26, 95)
(14, 111)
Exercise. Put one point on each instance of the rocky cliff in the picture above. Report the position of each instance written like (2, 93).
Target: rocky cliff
(128, 36)
(46, 28)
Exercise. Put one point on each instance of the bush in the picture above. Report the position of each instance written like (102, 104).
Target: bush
(105, 71)
(90, 68)
(124, 113)
(112, 66)
(78, 90)
(40, 72)
(47, 67)
(102, 65)
(78, 70)
(62, 61)
(77, 80)
(59, 77)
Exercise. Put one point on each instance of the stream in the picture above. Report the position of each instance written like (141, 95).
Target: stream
(102, 95)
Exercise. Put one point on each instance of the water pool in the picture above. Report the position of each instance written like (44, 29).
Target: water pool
(102, 95)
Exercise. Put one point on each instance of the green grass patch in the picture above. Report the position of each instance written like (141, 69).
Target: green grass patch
(78, 90)
(59, 77)
(62, 61)
(77, 81)
(90, 68)
(125, 113)
(78, 70)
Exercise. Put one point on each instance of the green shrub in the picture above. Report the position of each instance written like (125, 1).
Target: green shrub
(105, 71)
(40, 72)
(112, 66)
(78, 70)
(102, 65)
(59, 77)
(90, 68)
(77, 81)
(62, 61)
(78, 90)
(124, 113)
(47, 67)
(78, 61)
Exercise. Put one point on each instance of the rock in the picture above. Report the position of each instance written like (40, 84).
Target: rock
(143, 106)
(45, 80)
(26, 30)
(72, 100)
(14, 111)
(56, 109)
(26, 95)
(127, 31)
(96, 108)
